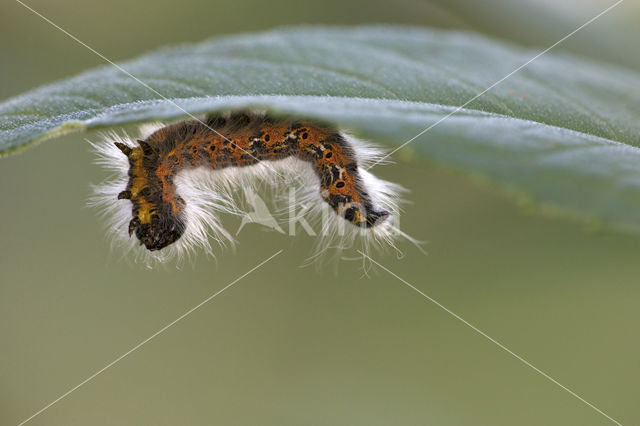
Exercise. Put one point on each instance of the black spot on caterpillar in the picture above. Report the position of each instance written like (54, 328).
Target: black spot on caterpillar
(175, 178)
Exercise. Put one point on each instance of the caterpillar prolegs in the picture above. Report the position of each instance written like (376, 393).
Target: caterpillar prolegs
(174, 180)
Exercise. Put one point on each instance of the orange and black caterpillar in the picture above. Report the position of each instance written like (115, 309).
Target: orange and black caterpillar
(238, 140)
(174, 179)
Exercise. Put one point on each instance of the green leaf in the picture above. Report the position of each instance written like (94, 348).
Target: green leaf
(563, 131)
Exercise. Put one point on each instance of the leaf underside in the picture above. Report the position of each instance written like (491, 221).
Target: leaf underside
(563, 131)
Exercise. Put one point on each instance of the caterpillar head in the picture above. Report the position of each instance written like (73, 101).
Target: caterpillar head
(159, 232)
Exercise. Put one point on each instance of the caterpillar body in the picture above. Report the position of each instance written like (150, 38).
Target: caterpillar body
(172, 182)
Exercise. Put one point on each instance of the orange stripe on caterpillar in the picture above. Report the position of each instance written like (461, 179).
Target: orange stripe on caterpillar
(237, 140)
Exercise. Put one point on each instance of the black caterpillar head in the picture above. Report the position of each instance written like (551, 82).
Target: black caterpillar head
(162, 231)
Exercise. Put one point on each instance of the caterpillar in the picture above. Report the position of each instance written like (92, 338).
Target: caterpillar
(173, 180)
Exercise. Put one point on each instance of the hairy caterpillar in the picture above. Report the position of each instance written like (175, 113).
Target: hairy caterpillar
(173, 180)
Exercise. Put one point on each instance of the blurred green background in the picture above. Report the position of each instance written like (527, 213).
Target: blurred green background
(290, 345)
